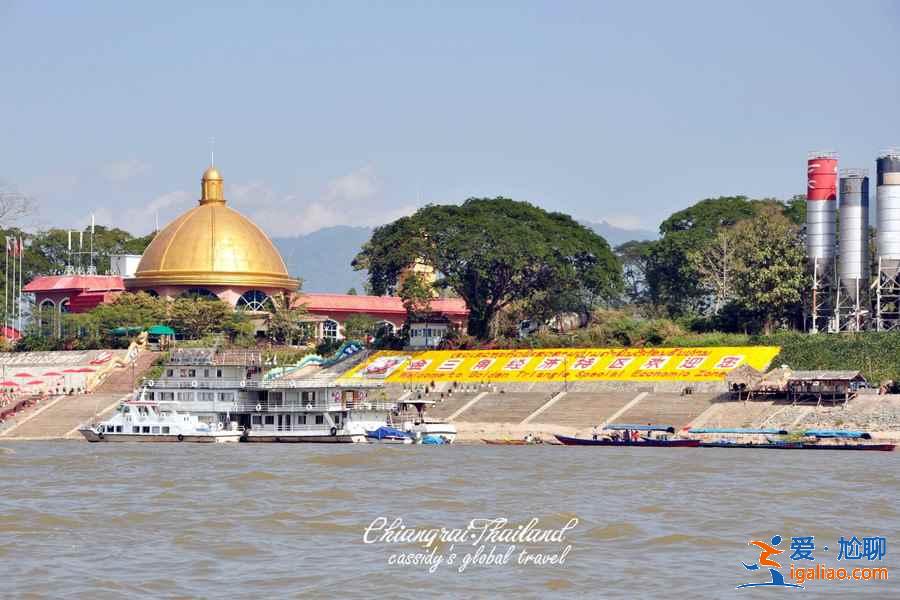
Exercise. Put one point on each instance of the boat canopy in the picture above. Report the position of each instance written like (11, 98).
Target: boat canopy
(739, 430)
(386, 432)
(618, 427)
(837, 433)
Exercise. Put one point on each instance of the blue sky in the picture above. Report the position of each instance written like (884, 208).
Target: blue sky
(355, 113)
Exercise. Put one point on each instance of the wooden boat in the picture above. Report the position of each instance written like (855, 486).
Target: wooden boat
(798, 446)
(643, 442)
(533, 442)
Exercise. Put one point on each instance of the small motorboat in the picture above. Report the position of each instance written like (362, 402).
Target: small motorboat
(389, 435)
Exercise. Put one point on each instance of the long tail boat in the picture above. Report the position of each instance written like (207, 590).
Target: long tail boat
(773, 443)
(631, 437)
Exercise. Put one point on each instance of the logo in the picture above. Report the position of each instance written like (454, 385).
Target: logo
(804, 567)
(766, 552)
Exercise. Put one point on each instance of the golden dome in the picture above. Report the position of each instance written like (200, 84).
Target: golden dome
(212, 244)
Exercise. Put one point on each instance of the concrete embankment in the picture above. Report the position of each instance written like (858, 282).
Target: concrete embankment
(58, 417)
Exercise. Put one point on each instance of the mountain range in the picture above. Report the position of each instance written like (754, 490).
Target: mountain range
(322, 258)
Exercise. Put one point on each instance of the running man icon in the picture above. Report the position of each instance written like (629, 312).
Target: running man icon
(765, 560)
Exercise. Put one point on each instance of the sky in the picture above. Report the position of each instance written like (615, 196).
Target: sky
(355, 113)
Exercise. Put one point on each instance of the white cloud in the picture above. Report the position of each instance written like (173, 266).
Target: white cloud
(351, 199)
(625, 221)
(120, 171)
(142, 219)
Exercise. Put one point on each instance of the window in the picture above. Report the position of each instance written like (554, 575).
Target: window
(154, 429)
(185, 396)
(275, 398)
(270, 419)
(384, 329)
(167, 396)
(46, 311)
(320, 419)
(206, 373)
(192, 372)
(170, 372)
(256, 419)
(255, 301)
(226, 396)
(301, 419)
(165, 429)
(145, 429)
(199, 294)
(135, 429)
(219, 373)
(330, 330)
(206, 396)
(118, 429)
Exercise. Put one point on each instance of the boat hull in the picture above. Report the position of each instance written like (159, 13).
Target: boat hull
(573, 441)
(199, 438)
(266, 437)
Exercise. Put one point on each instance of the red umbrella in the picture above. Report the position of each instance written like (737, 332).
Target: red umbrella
(84, 370)
(53, 374)
(8, 384)
(35, 382)
(71, 371)
(23, 374)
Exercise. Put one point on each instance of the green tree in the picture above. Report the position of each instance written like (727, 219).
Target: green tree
(771, 263)
(287, 322)
(672, 281)
(492, 252)
(195, 318)
(359, 326)
(714, 262)
(416, 293)
(632, 256)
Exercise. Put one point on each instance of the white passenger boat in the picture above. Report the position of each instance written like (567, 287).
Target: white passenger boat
(139, 420)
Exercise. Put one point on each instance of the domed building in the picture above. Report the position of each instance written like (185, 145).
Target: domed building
(213, 251)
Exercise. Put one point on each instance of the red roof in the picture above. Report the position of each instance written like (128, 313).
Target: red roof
(10, 333)
(347, 303)
(81, 283)
(88, 300)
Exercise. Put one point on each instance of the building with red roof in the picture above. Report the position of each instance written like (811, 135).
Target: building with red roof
(56, 294)
(332, 310)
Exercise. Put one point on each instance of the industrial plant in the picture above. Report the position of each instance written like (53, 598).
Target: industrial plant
(852, 289)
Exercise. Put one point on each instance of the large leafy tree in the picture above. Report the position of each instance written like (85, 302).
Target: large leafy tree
(673, 284)
(493, 252)
(633, 257)
(771, 266)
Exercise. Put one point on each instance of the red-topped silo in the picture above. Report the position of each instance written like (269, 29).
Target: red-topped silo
(821, 205)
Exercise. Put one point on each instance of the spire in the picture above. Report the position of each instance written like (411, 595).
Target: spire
(211, 187)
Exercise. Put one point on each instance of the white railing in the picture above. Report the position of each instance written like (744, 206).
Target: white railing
(312, 406)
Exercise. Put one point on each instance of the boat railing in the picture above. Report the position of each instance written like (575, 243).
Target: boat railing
(330, 406)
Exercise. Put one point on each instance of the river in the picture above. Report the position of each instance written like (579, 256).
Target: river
(254, 521)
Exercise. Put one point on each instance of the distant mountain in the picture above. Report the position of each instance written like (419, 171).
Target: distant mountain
(616, 236)
(322, 258)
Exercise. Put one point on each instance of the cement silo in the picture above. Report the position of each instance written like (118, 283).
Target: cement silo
(887, 195)
(853, 261)
(821, 200)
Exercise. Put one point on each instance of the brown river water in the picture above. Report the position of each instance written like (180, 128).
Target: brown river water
(82, 520)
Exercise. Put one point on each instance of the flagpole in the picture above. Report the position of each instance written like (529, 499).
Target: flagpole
(21, 263)
(6, 289)
(12, 295)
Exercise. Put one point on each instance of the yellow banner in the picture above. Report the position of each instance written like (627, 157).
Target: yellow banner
(563, 364)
